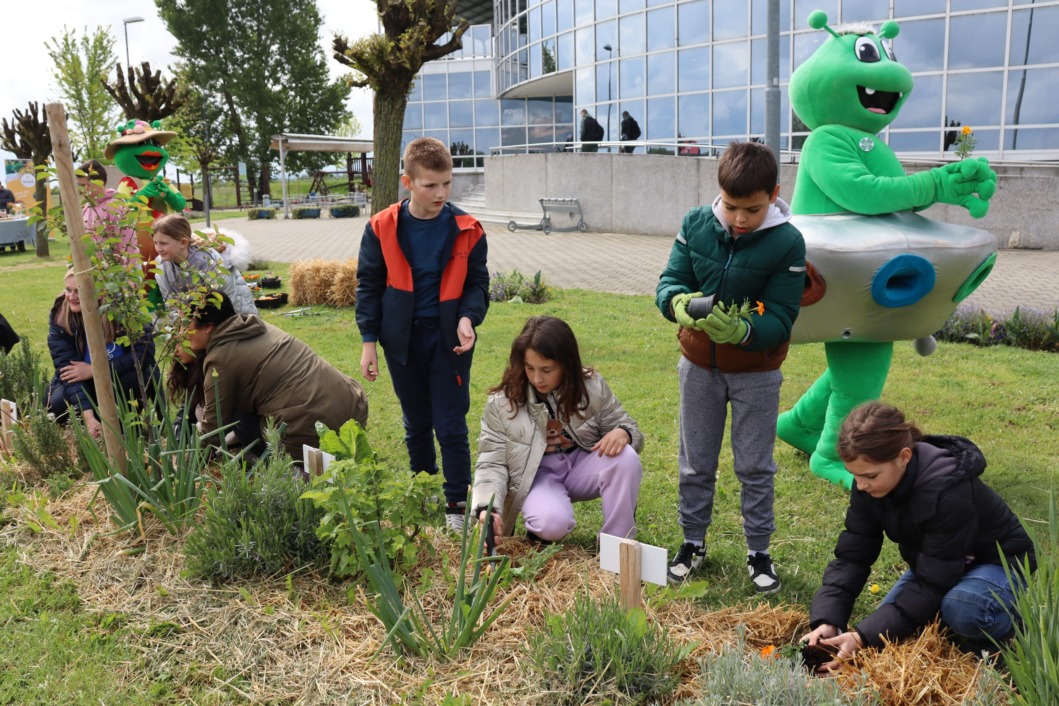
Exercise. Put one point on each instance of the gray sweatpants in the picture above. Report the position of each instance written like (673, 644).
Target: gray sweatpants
(704, 399)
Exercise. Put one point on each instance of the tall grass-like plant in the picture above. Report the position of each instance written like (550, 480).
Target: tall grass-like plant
(408, 628)
(598, 650)
(1032, 657)
(166, 468)
(255, 522)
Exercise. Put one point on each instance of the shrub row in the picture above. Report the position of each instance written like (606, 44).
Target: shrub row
(1031, 329)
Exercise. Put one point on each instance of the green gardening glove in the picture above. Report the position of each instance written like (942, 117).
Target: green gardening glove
(722, 327)
(679, 305)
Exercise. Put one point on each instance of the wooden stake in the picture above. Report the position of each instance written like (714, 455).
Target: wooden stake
(97, 346)
(629, 574)
(8, 417)
(316, 462)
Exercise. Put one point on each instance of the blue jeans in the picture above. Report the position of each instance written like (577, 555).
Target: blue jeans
(975, 605)
(435, 398)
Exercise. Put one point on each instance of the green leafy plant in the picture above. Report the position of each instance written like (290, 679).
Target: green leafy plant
(165, 472)
(598, 650)
(345, 210)
(514, 287)
(357, 486)
(408, 628)
(1032, 656)
(255, 214)
(255, 522)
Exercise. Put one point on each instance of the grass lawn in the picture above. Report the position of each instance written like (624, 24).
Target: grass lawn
(1004, 399)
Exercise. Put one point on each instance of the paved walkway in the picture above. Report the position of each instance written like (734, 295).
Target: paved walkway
(610, 262)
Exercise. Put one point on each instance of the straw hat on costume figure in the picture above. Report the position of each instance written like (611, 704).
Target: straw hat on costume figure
(140, 152)
(878, 273)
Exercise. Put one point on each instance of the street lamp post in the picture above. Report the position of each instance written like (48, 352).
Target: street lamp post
(610, 70)
(127, 21)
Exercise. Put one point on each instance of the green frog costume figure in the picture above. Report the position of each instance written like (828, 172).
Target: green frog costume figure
(878, 272)
(140, 152)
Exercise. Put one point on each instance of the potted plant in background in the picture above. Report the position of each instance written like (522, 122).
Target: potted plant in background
(345, 210)
(307, 212)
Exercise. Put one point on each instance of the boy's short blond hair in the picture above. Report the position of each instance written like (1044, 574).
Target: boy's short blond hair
(746, 168)
(426, 153)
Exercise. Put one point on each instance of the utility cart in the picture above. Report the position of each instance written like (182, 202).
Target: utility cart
(551, 206)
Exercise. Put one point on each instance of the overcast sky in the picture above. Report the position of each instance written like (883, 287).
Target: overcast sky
(26, 69)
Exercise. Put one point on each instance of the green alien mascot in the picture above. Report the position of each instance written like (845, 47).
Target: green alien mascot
(879, 272)
(140, 152)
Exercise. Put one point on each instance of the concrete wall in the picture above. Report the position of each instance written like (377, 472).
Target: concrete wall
(649, 194)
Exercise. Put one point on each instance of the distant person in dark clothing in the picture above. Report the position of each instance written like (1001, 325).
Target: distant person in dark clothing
(591, 132)
(630, 130)
(7, 197)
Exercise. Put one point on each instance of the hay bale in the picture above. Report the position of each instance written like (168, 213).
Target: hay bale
(323, 282)
(310, 281)
(344, 287)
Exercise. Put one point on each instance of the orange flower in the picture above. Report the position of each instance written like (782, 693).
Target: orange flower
(966, 130)
(760, 308)
(769, 650)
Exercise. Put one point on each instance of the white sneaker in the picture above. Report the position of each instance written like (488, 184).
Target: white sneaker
(454, 522)
(454, 516)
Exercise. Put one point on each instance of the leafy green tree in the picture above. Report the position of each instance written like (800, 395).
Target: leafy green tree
(263, 61)
(81, 65)
(28, 137)
(388, 63)
(144, 95)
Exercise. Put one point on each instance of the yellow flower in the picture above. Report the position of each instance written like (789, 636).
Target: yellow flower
(966, 130)
(874, 588)
(760, 308)
(769, 651)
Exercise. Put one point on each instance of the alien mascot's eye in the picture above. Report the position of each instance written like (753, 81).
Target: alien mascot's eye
(888, 47)
(866, 50)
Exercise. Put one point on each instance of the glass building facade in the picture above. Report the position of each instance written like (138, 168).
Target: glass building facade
(695, 71)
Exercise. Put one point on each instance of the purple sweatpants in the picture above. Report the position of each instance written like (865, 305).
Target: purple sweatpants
(563, 479)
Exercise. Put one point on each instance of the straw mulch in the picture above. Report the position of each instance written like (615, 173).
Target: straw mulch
(927, 670)
(312, 640)
(331, 282)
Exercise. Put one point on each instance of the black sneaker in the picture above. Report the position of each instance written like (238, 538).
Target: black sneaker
(687, 560)
(763, 573)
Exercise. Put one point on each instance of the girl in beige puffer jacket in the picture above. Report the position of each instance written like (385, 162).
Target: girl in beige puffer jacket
(550, 438)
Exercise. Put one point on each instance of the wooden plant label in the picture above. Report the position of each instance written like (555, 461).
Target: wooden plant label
(634, 563)
(315, 460)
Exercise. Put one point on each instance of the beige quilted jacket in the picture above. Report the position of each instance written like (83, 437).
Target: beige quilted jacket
(511, 449)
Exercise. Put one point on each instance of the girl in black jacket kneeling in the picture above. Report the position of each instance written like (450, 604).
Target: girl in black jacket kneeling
(925, 494)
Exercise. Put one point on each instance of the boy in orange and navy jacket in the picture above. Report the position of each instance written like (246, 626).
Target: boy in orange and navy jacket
(422, 288)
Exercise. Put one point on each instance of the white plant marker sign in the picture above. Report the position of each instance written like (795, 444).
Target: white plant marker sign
(634, 563)
(315, 460)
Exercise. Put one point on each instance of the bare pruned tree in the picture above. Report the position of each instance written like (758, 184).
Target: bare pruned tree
(143, 95)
